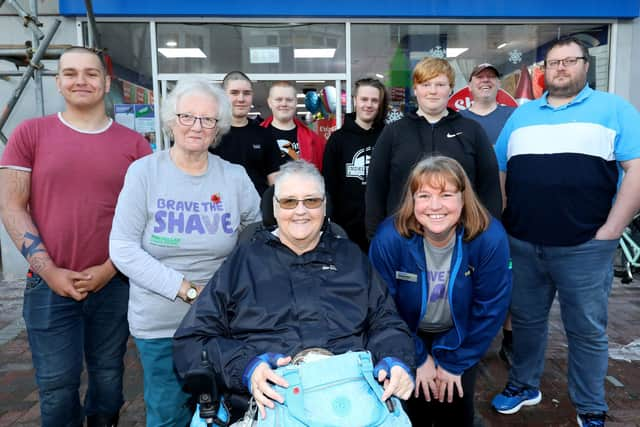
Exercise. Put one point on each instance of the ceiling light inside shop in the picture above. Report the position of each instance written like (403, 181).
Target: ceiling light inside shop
(314, 53)
(380, 76)
(453, 52)
(502, 45)
(176, 52)
(264, 55)
(171, 43)
(300, 95)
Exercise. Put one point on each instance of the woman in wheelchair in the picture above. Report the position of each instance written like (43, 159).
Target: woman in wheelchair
(292, 287)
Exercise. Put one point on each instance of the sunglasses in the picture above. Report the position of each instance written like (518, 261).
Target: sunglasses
(291, 203)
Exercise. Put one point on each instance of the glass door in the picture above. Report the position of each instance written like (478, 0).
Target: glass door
(321, 100)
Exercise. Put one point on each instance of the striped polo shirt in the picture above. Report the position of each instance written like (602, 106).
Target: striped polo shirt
(562, 165)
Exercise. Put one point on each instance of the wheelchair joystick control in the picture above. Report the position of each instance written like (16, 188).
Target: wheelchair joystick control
(200, 382)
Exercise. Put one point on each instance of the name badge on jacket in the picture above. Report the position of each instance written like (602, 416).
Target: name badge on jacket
(409, 277)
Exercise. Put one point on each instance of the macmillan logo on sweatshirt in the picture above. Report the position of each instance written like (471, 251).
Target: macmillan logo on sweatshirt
(178, 218)
(359, 166)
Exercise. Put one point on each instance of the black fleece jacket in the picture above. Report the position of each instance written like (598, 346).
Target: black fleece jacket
(345, 164)
(404, 143)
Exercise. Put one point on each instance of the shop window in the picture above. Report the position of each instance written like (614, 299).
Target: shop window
(254, 48)
(128, 55)
(390, 51)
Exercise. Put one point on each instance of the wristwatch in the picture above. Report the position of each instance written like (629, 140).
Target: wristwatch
(192, 294)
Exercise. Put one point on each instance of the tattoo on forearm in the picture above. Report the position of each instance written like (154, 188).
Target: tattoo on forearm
(39, 263)
(32, 249)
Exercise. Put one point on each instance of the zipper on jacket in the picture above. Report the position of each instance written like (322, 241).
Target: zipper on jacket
(454, 274)
(425, 296)
(433, 139)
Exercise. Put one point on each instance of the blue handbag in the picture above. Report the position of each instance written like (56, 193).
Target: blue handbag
(336, 391)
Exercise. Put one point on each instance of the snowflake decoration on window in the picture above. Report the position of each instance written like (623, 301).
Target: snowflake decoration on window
(437, 52)
(515, 56)
(393, 115)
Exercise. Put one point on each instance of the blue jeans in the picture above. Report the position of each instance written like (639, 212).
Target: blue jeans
(167, 405)
(62, 332)
(582, 276)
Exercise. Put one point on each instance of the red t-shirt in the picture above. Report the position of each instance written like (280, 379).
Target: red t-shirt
(76, 177)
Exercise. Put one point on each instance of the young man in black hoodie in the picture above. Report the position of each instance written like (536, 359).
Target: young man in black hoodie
(347, 154)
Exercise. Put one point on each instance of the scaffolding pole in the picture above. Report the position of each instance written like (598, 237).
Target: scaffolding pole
(29, 20)
(25, 53)
(94, 37)
(37, 73)
(47, 73)
(33, 65)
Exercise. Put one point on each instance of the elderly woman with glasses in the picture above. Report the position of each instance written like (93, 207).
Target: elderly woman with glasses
(291, 288)
(177, 218)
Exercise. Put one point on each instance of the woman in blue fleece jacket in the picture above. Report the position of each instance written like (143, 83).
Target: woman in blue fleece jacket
(446, 262)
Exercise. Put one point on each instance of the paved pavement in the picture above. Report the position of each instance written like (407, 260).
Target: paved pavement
(19, 396)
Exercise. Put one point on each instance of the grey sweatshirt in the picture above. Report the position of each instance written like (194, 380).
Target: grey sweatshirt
(170, 225)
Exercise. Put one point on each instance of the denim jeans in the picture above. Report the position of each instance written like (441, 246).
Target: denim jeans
(582, 276)
(61, 333)
(166, 404)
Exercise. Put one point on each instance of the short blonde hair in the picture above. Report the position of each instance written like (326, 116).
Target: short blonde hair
(429, 68)
(438, 171)
(282, 83)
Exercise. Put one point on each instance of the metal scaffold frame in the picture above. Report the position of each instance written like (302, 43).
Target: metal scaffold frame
(33, 52)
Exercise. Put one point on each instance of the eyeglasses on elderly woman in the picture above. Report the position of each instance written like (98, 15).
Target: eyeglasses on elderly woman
(186, 119)
(292, 203)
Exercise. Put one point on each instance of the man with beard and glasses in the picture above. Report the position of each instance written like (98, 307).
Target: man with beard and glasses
(561, 159)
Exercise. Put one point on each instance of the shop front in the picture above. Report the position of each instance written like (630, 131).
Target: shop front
(323, 50)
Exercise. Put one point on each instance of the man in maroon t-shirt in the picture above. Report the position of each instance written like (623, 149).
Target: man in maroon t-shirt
(60, 177)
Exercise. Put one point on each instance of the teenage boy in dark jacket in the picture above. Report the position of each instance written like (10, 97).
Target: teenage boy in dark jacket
(347, 156)
(431, 129)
